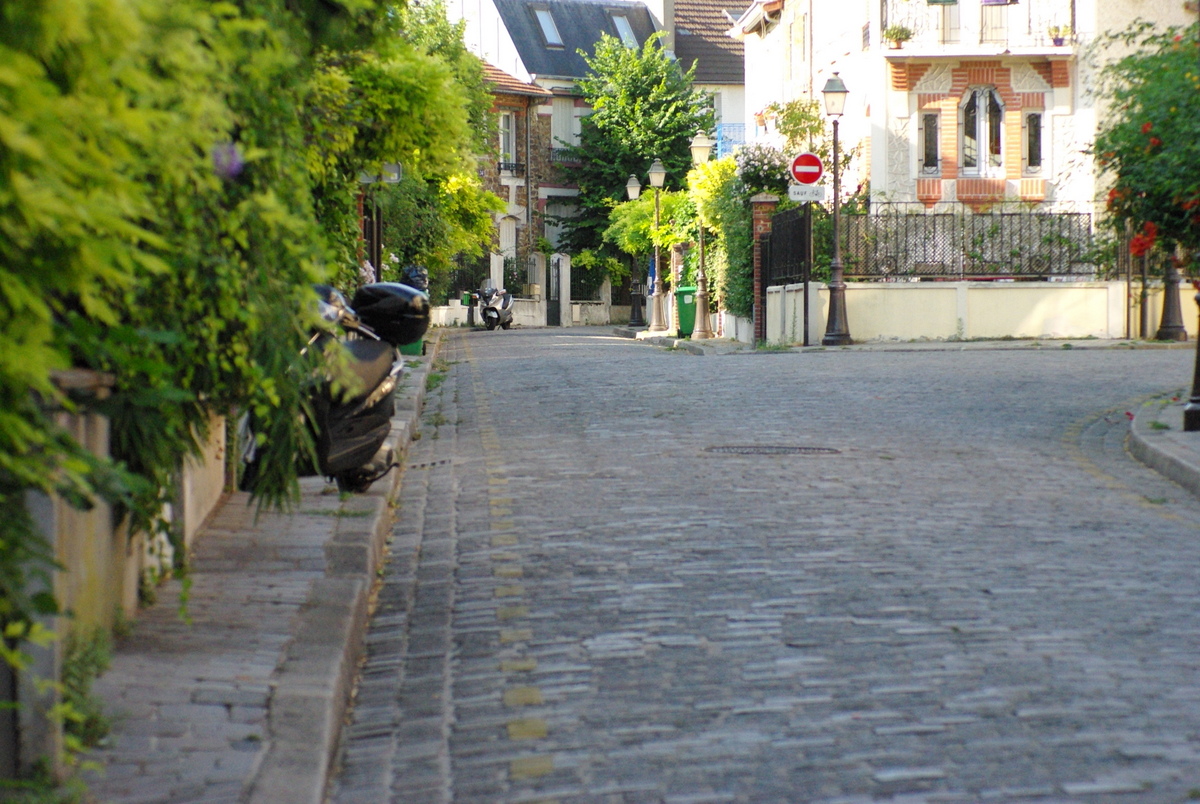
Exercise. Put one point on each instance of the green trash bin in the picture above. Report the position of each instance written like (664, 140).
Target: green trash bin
(685, 301)
(415, 348)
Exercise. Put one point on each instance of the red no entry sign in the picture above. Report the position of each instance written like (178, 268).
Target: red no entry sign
(807, 168)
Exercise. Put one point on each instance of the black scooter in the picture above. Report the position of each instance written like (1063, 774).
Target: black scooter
(350, 427)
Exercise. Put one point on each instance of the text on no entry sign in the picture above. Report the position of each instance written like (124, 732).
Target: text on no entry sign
(807, 168)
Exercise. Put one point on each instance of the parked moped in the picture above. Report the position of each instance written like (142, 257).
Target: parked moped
(350, 425)
(495, 306)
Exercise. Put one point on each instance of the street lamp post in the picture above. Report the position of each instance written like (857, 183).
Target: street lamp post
(1191, 411)
(702, 146)
(633, 188)
(658, 175)
(837, 331)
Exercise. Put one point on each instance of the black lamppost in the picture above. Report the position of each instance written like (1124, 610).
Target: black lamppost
(837, 331)
(1171, 326)
(1191, 411)
(658, 311)
(702, 146)
(633, 188)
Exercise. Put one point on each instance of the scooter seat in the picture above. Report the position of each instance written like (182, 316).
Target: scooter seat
(371, 362)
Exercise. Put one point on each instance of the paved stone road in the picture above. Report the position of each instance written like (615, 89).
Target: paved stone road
(980, 597)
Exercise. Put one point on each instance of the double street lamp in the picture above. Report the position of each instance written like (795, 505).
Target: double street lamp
(702, 146)
(633, 188)
(837, 331)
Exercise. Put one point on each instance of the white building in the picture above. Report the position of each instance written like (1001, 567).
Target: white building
(989, 100)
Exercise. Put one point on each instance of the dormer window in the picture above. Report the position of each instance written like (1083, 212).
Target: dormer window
(549, 29)
(625, 30)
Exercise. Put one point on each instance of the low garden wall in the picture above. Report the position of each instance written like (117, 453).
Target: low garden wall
(965, 310)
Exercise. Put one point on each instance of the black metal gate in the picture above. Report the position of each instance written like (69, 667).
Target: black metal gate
(788, 255)
(554, 293)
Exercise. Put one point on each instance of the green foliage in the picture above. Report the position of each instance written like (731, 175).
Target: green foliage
(1149, 142)
(430, 223)
(86, 657)
(174, 175)
(722, 201)
(644, 107)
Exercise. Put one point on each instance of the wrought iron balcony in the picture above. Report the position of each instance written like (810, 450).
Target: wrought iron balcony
(980, 27)
(513, 168)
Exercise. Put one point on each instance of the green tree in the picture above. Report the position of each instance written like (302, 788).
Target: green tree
(1149, 142)
(644, 107)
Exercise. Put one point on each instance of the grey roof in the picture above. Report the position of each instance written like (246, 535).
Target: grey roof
(700, 27)
(579, 22)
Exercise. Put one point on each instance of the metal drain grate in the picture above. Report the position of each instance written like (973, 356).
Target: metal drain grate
(766, 449)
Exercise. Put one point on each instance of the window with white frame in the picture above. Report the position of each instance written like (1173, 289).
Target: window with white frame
(624, 30)
(507, 126)
(1031, 143)
(564, 127)
(982, 132)
(929, 162)
(549, 29)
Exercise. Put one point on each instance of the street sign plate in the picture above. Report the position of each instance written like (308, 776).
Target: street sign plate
(806, 192)
(807, 168)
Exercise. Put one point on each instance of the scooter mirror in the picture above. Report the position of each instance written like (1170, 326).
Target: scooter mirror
(332, 305)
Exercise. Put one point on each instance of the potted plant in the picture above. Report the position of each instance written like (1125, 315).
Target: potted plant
(1059, 34)
(897, 35)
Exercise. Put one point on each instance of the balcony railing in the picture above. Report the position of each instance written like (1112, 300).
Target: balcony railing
(513, 168)
(729, 137)
(562, 156)
(965, 25)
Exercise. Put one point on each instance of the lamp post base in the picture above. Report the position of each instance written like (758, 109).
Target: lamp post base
(636, 301)
(837, 331)
(658, 313)
(703, 328)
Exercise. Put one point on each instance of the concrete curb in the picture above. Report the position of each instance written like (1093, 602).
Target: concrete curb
(724, 346)
(311, 688)
(1171, 452)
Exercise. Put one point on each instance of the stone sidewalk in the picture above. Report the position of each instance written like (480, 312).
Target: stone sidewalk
(234, 684)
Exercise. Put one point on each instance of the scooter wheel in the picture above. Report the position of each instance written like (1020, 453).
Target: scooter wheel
(490, 324)
(354, 483)
(506, 325)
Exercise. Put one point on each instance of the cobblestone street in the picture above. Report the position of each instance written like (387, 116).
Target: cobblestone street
(968, 593)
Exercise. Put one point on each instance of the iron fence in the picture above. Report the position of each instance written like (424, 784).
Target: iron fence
(787, 260)
(584, 287)
(906, 241)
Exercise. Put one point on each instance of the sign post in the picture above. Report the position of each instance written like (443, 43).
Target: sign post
(807, 169)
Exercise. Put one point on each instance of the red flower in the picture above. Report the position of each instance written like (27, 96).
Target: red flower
(1141, 243)
(1146, 127)
(1155, 142)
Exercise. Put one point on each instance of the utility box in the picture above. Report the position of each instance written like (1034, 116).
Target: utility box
(685, 300)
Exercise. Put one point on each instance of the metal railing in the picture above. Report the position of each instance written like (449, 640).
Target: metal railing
(583, 287)
(905, 241)
(729, 137)
(786, 260)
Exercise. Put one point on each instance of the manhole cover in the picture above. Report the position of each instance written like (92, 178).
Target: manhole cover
(757, 449)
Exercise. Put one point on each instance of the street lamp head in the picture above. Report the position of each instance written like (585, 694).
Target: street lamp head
(658, 173)
(702, 146)
(835, 93)
(633, 188)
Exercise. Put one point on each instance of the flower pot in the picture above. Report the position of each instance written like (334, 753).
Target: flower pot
(1058, 41)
